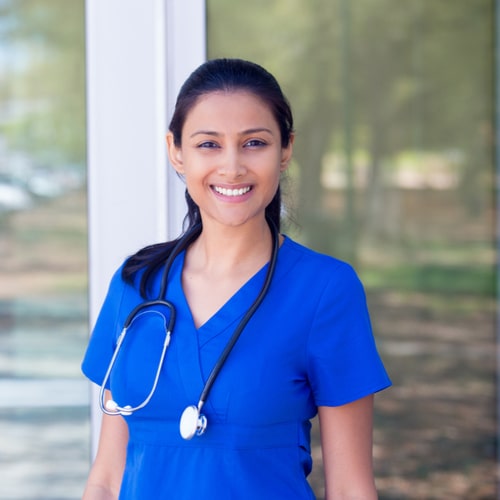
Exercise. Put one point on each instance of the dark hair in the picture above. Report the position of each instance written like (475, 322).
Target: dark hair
(217, 75)
(230, 75)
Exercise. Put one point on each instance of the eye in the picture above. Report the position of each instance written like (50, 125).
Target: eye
(255, 143)
(208, 145)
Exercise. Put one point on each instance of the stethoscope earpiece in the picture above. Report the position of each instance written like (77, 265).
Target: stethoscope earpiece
(111, 405)
(192, 422)
(113, 409)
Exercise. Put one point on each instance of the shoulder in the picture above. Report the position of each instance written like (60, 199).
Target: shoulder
(119, 285)
(320, 282)
(311, 265)
(117, 279)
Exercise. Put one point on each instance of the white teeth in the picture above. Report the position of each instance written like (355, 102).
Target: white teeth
(231, 192)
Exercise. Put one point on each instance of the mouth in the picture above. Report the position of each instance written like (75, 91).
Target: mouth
(232, 192)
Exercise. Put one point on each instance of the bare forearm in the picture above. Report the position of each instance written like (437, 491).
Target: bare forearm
(106, 473)
(363, 493)
(96, 492)
(346, 438)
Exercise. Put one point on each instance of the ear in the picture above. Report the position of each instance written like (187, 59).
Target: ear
(174, 154)
(286, 154)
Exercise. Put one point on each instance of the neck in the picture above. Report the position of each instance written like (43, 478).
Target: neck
(222, 249)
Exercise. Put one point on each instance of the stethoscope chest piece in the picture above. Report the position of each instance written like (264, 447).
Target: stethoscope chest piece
(192, 422)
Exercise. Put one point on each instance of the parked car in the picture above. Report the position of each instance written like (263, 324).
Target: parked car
(13, 196)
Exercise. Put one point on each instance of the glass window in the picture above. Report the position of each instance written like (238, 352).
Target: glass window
(394, 172)
(44, 447)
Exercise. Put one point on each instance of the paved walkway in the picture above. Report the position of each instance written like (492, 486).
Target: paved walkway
(44, 399)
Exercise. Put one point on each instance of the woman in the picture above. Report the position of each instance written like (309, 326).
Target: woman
(306, 347)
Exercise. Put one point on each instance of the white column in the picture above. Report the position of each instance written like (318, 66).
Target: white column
(186, 50)
(138, 53)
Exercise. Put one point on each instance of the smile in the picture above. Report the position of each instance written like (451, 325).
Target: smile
(232, 192)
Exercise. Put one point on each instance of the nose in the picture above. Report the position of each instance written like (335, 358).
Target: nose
(232, 164)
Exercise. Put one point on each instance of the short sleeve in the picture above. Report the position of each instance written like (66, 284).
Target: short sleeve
(343, 361)
(105, 333)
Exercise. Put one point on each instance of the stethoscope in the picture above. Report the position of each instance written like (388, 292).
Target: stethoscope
(192, 422)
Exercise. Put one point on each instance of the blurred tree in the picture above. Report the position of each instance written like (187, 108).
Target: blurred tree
(457, 60)
(43, 79)
(426, 85)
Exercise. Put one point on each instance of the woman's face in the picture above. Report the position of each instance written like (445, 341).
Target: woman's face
(230, 156)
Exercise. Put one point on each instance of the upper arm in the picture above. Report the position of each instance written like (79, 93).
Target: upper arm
(107, 470)
(346, 441)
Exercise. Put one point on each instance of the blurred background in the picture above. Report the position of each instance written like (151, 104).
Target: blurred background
(394, 171)
(44, 408)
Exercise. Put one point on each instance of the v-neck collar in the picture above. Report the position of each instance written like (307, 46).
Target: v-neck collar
(229, 313)
(200, 348)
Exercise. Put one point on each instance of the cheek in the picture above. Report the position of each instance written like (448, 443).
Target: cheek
(194, 178)
(196, 187)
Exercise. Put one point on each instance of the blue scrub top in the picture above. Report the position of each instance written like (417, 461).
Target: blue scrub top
(309, 344)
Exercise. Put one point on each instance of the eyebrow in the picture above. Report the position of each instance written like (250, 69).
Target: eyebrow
(244, 132)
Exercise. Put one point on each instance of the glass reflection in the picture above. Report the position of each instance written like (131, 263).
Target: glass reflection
(394, 172)
(43, 260)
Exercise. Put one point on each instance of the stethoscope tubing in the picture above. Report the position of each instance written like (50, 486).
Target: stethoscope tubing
(196, 423)
(246, 318)
(110, 407)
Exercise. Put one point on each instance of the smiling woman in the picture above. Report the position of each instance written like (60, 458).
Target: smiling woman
(263, 371)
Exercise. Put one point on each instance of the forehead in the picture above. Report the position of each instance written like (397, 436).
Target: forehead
(231, 108)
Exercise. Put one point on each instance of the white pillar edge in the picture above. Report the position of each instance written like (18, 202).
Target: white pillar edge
(186, 50)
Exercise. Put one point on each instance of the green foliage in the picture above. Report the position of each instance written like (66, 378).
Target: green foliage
(43, 79)
(433, 278)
